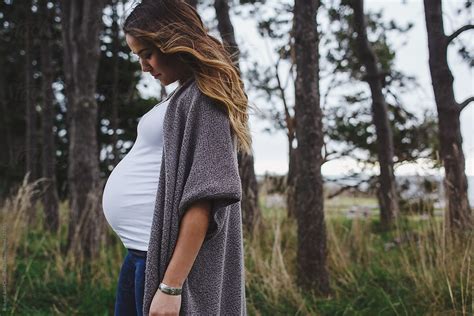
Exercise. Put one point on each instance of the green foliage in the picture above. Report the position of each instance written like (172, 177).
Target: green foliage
(13, 21)
(348, 120)
(350, 123)
(131, 106)
(341, 39)
(465, 48)
(43, 288)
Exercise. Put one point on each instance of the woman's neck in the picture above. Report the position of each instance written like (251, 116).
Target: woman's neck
(184, 79)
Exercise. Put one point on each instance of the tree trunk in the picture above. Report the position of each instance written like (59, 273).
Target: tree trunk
(251, 210)
(82, 22)
(6, 141)
(459, 215)
(31, 130)
(31, 144)
(311, 255)
(291, 180)
(290, 123)
(115, 78)
(50, 195)
(387, 191)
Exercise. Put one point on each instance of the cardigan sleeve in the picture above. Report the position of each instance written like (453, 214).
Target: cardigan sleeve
(211, 171)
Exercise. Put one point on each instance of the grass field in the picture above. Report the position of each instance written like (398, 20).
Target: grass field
(413, 270)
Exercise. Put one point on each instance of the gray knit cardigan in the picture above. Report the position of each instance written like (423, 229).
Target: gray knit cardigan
(199, 162)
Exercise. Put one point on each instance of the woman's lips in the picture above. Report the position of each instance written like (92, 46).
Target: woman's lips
(156, 76)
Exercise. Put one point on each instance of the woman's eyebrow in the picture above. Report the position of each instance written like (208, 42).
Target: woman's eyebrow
(141, 50)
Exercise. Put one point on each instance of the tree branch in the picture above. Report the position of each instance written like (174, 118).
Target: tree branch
(464, 103)
(345, 188)
(459, 31)
(337, 154)
(288, 118)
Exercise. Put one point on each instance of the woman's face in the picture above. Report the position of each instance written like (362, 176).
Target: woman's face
(164, 67)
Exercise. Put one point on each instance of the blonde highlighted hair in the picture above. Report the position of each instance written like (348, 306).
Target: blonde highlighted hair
(175, 27)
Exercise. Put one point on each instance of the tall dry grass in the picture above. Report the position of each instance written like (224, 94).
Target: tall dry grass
(14, 219)
(433, 269)
(436, 266)
(418, 264)
(28, 242)
(270, 255)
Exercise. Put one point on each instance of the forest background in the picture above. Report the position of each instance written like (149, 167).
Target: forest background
(357, 198)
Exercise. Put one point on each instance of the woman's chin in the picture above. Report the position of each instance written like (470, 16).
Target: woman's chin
(161, 81)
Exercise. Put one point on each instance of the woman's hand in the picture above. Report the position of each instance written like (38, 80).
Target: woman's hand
(192, 232)
(165, 305)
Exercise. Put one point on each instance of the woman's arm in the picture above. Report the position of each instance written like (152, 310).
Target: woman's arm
(192, 230)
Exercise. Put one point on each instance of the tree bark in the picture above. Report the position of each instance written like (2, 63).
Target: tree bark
(6, 142)
(311, 255)
(292, 148)
(31, 130)
(50, 195)
(31, 144)
(459, 215)
(387, 191)
(82, 22)
(250, 209)
(291, 180)
(290, 123)
(115, 81)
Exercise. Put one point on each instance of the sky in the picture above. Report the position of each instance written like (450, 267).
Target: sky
(271, 151)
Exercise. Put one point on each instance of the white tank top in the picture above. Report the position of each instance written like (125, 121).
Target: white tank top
(128, 200)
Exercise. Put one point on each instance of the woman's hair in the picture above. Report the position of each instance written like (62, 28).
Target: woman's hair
(175, 27)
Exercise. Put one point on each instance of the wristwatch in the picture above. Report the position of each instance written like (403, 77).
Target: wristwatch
(169, 290)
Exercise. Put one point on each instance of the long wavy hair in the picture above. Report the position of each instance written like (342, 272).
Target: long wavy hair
(175, 27)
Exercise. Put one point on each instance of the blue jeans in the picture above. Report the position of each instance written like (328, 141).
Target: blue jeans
(129, 297)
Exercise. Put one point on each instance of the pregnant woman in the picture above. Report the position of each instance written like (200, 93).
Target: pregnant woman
(174, 199)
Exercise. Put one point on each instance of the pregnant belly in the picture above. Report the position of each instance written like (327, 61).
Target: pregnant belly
(129, 196)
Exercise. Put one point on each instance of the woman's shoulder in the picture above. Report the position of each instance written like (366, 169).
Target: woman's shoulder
(192, 97)
(190, 90)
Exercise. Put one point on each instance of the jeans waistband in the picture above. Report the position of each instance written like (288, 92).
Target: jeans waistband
(139, 253)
